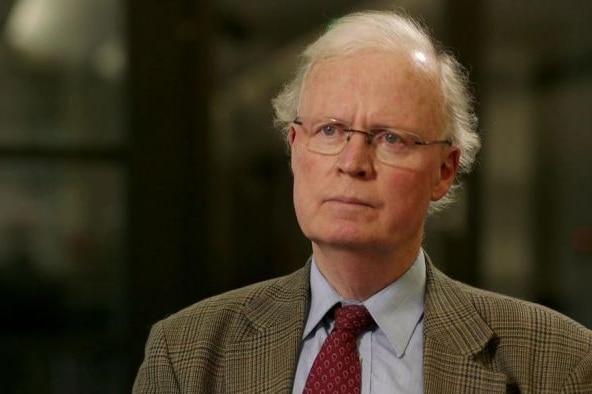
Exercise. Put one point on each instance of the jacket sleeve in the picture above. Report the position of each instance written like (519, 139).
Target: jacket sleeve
(156, 374)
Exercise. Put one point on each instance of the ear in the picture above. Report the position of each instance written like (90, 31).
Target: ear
(291, 136)
(446, 173)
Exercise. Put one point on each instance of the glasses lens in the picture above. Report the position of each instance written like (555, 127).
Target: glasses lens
(391, 147)
(327, 137)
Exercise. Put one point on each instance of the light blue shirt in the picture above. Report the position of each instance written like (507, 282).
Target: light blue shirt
(391, 354)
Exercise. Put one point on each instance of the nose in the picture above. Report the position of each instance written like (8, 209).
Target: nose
(356, 158)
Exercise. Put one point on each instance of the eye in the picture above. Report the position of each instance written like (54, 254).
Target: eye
(329, 129)
(392, 138)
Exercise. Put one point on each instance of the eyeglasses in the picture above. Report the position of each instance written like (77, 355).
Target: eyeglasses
(392, 147)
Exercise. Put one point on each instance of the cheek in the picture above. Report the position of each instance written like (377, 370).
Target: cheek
(299, 166)
(304, 184)
(408, 192)
(307, 166)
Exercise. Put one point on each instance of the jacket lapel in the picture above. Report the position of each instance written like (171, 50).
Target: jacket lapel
(458, 343)
(453, 373)
(264, 359)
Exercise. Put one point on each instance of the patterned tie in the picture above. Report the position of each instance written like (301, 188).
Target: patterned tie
(337, 366)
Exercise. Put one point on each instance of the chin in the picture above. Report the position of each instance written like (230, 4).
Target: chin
(345, 237)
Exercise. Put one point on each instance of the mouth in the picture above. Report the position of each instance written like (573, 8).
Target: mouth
(349, 201)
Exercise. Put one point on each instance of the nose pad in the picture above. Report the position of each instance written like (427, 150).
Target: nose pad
(365, 134)
(356, 158)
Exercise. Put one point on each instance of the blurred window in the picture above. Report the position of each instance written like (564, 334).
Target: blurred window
(62, 196)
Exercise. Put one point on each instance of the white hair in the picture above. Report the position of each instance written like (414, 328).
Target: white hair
(391, 31)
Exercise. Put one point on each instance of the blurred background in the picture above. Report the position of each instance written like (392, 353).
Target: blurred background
(139, 170)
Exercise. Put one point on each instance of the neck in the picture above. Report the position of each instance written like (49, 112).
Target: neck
(358, 275)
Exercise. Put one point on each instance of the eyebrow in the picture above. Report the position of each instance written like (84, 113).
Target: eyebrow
(374, 125)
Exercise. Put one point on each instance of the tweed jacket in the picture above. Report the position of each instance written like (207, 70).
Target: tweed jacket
(248, 341)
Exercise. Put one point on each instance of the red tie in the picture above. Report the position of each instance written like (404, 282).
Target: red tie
(337, 366)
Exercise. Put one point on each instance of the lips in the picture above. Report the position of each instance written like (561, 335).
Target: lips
(349, 201)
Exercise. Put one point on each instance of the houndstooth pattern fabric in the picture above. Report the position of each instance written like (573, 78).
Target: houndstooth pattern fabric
(336, 368)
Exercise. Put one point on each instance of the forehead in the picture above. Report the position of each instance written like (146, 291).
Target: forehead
(375, 85)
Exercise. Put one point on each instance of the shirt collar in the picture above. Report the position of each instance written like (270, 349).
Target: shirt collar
(397, 309)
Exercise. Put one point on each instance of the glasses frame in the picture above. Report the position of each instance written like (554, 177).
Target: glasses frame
(417, 140)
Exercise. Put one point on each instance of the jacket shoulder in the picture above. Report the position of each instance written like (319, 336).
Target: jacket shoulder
(537, 348)
(504, 314)
(191, 350)
(226, 312)
(533, 344)
(512, 317)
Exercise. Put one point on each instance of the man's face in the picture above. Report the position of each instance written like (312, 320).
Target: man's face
(352, 200)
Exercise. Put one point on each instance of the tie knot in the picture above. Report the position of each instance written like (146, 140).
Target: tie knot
(354, 319)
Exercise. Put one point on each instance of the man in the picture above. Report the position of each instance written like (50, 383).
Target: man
(379, 125)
